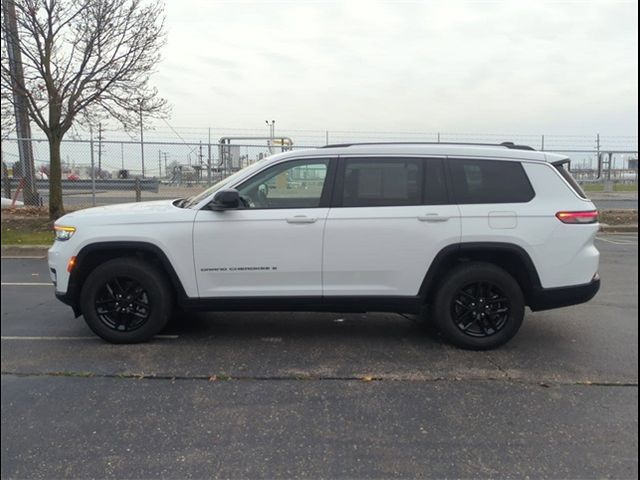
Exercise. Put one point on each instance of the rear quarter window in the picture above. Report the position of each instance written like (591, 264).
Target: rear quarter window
(563, 168)
(489, 181)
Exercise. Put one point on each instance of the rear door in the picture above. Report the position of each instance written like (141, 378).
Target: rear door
(493, 197)
(389, 218)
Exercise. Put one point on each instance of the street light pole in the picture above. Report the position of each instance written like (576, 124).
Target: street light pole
(272, 133)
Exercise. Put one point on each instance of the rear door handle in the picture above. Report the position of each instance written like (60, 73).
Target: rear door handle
(301, 219)
(433, 217)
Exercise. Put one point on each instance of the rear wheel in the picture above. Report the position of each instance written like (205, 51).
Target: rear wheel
(479, 306)
(126, 300)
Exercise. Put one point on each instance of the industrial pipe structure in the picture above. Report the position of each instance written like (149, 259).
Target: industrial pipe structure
(225, 142)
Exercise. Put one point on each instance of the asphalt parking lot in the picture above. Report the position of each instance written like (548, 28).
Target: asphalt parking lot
(292, 395)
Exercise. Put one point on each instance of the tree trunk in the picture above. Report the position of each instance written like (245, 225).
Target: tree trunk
(56, 209)
(6, 181)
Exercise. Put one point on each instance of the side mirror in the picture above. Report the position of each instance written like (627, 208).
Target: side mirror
(225, 199)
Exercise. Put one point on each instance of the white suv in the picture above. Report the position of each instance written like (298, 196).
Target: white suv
(467, 235)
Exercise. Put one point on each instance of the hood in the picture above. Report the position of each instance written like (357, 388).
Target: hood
(128, 213)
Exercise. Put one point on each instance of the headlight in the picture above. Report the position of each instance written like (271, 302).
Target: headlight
(64, 233)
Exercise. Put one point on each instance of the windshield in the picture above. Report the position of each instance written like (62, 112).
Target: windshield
(221, 184)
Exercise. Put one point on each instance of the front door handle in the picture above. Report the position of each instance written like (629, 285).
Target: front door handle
(301, 219)
(433, 217)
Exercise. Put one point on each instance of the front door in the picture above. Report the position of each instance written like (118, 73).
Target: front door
(272, 246)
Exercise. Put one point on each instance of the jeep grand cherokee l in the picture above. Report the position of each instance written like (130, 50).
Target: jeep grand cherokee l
(466, 235)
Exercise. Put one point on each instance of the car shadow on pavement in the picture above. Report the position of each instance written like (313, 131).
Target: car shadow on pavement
(299, 325)
(542, 334)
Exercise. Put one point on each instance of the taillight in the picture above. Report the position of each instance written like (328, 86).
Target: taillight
(578, 217)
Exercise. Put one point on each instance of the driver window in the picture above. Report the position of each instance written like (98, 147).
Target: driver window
(296, 184)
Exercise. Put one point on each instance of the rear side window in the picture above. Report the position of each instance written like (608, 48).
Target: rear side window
(563, 168)
(382, 182)
(489, 181)
(387, 182)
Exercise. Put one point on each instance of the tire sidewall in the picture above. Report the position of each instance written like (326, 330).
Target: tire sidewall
(470, 273)
(149, 277)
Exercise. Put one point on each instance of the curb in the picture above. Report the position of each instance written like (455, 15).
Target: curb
(25, 250)
(618, 228)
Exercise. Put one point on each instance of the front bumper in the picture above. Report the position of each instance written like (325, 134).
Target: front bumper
(548, 298)
(58, 258)
(70, 300)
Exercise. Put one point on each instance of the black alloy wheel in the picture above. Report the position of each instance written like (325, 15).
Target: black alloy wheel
(478, 306)
(126, 300)
(122, 304)
(480, 309)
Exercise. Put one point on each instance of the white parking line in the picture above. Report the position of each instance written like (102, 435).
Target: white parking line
(25, 284)
(162, 337)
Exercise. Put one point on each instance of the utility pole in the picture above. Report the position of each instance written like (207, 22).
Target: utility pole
(164, 155)
(141, 139)
(165, 165)
(20, 105)
(93, 169)
(199, 171)
(602, 163)
(99, 147)
(159, 163)
(209, 159)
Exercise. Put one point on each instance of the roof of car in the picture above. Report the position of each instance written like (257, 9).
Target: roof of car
(506, 151)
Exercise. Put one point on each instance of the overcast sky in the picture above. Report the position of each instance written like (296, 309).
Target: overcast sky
(486, 67)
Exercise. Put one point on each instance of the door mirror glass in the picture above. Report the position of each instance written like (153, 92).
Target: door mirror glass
(225, 199)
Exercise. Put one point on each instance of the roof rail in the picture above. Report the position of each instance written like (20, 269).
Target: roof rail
(510, 145)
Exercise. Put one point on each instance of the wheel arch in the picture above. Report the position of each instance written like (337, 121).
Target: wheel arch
(94, 254)
(512, 258)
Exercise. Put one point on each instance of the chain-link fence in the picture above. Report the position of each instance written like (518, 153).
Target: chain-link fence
(109, 172)
(101, 172)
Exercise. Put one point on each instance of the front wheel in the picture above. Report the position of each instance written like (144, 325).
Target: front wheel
(126, 300)
(479, 306)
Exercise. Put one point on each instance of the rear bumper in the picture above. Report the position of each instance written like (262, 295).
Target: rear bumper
(548, 298)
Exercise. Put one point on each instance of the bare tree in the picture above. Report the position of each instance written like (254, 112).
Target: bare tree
(7, 116)
(7, 126)
(83, 59)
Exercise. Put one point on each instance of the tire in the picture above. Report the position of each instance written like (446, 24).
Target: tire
(142, 309)
(425, 321)
(478, 306)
